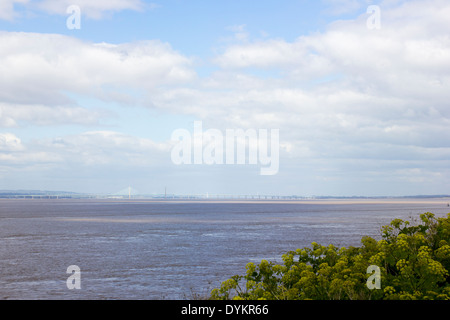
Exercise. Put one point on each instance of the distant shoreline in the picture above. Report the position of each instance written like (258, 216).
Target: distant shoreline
(335, 201)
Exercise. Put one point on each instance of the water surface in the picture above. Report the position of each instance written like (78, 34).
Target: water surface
(168, 250)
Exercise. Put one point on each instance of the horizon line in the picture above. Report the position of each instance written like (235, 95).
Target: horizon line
(197, 196)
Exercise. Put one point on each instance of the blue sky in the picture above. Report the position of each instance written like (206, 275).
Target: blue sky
(360, 111)
(201, 22)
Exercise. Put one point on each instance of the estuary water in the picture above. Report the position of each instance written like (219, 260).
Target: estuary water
(137, 249)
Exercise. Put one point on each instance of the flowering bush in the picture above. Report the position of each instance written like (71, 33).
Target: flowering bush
(413, 261)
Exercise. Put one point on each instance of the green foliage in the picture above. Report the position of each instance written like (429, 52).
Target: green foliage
(414, 260)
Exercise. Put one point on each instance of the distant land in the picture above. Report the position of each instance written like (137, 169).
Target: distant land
(48, 194)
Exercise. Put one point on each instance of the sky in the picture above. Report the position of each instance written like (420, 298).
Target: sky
(359, 92)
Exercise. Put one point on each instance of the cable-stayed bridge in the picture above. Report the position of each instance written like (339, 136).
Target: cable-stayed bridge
(128, 192)
(132, 193)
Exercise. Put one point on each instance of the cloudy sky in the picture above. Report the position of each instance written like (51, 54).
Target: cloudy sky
(361, 97)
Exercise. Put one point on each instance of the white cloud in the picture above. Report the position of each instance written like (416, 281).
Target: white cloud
(349, 100)
(7, 8)
(90, 9)
(93, 9)
(20, 115)
(10, 142)
(40, 68)
(84, 151)
(337, 7)
(388, 74)
(43, 75)
(28, 160)
(277, 54)
(97, 148)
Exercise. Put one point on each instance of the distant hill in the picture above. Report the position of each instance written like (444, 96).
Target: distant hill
(34, 192)
(386, 197)
(69, 194)
(37, 193)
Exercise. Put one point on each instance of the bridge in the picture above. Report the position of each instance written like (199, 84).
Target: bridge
(132, 193)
